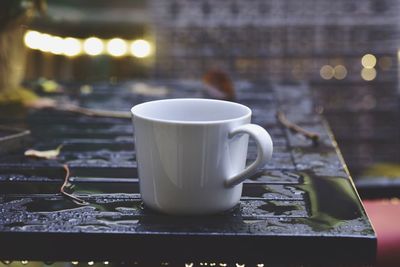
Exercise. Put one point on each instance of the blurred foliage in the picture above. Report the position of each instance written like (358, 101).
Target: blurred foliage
(12, 10)
(13, 15)
(19, 96)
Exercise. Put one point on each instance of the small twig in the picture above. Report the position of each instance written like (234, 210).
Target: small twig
(75, 199)
(95, 112)
(46, 103)
(294, 127)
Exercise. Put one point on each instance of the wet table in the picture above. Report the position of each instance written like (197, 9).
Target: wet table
(301, 208)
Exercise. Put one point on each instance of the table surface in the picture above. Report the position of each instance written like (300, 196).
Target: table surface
(301, 207)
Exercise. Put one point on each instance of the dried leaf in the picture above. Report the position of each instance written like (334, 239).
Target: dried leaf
(47, 154)
(149, 90)
(219, 85)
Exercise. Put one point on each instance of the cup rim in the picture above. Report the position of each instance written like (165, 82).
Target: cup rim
(148, 118)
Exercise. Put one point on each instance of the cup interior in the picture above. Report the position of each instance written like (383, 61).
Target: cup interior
(188, 110)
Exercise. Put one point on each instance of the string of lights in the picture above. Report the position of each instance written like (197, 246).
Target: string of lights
(117, 47)
(92, 46)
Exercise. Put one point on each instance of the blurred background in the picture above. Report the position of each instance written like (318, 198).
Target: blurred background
(345, 51)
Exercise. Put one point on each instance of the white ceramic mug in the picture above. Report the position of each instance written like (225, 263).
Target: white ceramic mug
(191, 153)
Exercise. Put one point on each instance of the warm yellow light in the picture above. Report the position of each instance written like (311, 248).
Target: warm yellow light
(45, 42)
(368, 61)
(117, 47)
(340, 72)
(72, 47)
(140, 48)
(93, 46)
(56, 45)
(326, 72)
(32, 39)
(368, 74)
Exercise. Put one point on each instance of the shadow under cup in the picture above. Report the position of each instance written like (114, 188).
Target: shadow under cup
(191, 153)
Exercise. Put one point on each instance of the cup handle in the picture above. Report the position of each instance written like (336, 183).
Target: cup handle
(264, 151)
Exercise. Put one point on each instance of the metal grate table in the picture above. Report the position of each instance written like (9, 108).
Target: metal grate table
(302, 207)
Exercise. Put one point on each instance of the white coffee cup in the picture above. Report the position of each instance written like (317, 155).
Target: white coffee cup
(191, 153)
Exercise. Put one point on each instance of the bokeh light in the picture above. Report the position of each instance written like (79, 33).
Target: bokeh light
(72, 47)
(45, 42)
(368, 61)
(326, 72)
(340, 72)
(32, 39)
(140, 48)
(117, 47)
(368, 74)
(56, 45)
(93, 46)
